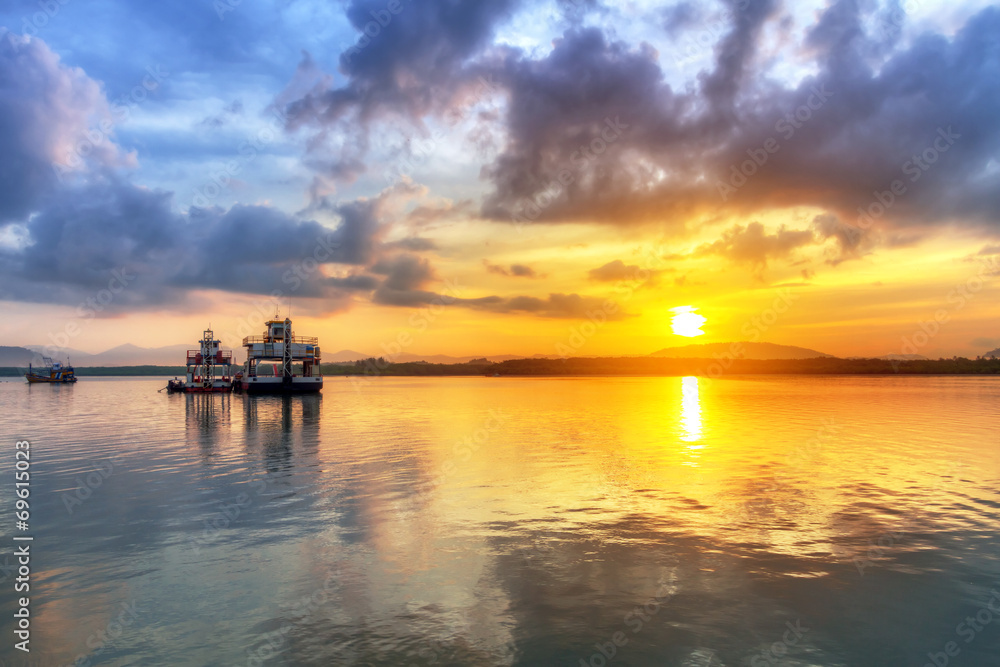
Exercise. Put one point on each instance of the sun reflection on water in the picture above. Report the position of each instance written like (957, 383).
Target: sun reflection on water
(690, 411)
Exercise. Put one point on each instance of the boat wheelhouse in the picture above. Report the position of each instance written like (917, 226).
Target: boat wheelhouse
(279, 362)
(209, 369)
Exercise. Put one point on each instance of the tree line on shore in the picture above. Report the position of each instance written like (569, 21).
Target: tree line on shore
(715, 367)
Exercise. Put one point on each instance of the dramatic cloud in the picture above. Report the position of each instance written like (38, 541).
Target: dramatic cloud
(51, 120)
(595, 133)
(78, 243)
(883, 132)
(409, 61)
(575, 120)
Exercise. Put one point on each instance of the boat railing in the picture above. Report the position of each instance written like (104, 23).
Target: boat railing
(194, 357)
(268, 340)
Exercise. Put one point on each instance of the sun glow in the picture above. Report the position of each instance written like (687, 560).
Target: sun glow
(687, 322)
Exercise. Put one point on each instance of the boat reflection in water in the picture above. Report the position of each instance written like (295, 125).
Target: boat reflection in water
(274, 424)
(206, 414)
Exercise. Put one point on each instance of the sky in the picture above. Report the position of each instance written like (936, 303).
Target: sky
(564, 177)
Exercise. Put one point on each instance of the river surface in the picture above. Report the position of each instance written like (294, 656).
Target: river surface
(509, 521)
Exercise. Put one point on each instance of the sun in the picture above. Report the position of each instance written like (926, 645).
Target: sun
(687, 322)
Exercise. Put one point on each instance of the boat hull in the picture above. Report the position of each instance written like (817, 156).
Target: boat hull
(175, 387)
(34, 379)
(201, 390)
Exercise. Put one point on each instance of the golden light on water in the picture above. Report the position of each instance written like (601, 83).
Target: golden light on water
(687, 322)
(690, 410)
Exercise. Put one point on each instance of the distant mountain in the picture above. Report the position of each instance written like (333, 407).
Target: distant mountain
(15, 356)
(133, 355)
(903, 357)
(993, 353)
(62, 354)
(125, 355)
(747, 351)
(343, 356)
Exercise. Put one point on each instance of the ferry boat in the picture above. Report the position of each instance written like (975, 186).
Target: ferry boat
(52, 373)
(209, 369)
(279, 362)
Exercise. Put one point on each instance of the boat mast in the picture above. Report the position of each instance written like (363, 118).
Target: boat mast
(208, 368)
(286, 356)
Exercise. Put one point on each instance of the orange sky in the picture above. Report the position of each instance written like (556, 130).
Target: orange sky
(873, 305)
(526, 178)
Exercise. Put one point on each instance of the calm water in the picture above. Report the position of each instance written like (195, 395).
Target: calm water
(507, 521)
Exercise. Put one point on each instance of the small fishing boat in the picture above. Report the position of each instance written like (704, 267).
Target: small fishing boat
(209, 369)
(51, 373)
